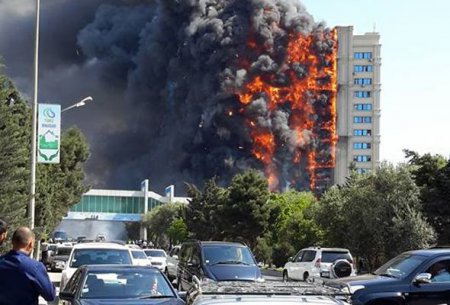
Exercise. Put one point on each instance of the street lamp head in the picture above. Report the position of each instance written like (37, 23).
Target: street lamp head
(86, 99)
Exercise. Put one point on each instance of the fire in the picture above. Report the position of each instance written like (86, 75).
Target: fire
(310, 95)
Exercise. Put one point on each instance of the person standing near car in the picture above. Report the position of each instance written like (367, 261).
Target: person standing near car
(23, 279)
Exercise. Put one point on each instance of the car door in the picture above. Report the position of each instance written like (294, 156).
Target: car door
(293, 269)
(438, 291)
(73, 285)
(172, 261)
(183, 273)
(306, 264)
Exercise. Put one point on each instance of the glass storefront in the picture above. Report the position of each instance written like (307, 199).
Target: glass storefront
(113, 204)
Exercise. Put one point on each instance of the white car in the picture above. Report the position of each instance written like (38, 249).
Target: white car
(172, 263)
(139, 257)
(157, 257)
(319, 262)
(95, 254)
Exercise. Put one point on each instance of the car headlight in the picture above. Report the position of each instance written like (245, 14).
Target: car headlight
(352, 289)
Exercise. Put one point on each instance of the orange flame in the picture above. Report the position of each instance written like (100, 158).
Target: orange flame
(320, 78)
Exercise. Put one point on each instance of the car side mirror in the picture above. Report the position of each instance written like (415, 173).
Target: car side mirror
(423, 278)
(290, 259)
(67, 296)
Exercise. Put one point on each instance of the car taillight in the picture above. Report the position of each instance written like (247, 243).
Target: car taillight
(317, 263)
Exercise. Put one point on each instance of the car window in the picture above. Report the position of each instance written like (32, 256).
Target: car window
(298, 257)
(400, 266)
(222, 254)
(308, 256)
(332, 256)
(126, 284)
(100, 257)
(63, 251)
(73, 282)
(155, 253)
(139, 254)
(440, 271)
(186, 253)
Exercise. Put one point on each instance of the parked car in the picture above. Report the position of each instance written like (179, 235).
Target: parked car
(319, 262)
(95, 254)
(172, 262)
(139, 257)
(215, 261)
(115, 284)
(267, 293)
(157, 257)
(420, 277)
(61, 256)
(48, 253)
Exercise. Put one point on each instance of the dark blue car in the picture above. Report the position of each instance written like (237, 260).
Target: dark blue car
(215, 261)
(119, 284)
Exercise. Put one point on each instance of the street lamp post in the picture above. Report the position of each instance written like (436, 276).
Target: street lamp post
(79, 104)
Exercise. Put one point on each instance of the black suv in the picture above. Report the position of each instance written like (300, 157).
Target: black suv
(420, 277)
(215, 261)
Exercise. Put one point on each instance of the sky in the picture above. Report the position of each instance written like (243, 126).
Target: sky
(74, 63)
(415, 104)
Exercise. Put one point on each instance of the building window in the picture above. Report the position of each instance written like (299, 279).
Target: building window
(362, 94)
(362, 55)
(362, 107)
(362, 119)
(362, 145)
(362, 68)
(362, 170)
(363, 81)
(362, 132)
(362, 158)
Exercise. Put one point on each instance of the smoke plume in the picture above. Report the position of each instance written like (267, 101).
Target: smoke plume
(190, 89)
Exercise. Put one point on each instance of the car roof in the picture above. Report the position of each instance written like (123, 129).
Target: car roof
(102, 245)
(431, 251)
(218, 243)
(116, 267)
(328, 249)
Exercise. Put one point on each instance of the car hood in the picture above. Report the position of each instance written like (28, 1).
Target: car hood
(233, 272)
(366, 280)
(168, 301)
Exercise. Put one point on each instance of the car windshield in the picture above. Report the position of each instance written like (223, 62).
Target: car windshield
(139, 254)
(100, 257)
(400, 266)
(155, 253)
(125, 284)
(332, 256)
(227, 254)
(63, 251)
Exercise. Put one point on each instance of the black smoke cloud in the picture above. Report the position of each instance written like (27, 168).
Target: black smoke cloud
(164, 75)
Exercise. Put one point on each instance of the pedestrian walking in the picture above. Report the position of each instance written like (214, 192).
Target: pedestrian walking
(23, 279)
(3, 231)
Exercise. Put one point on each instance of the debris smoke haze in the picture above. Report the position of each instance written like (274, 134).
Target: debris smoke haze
(113, 230)
(168, 78)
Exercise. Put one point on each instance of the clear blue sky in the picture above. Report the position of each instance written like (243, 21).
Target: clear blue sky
(415, 71)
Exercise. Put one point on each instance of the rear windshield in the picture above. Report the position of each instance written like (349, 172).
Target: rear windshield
(100, 257)
(139, 254)
(227, 254)
(63, 251)
(155, 253)
(332, 256)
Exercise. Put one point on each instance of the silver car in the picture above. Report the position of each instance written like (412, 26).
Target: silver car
(172, 263)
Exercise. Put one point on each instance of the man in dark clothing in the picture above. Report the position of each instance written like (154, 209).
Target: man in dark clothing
(23, 279)
(3, 231)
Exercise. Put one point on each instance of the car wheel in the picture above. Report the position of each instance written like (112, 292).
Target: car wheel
(341, 268)
(305, 276)
(285, 276)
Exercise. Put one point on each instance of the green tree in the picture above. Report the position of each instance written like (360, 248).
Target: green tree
(159, 220)
(14, 154)
(291, 224)
(245, 212)
(203, 213)
(375, 215)
(60, 186)
(432, 175)
(177, 231)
